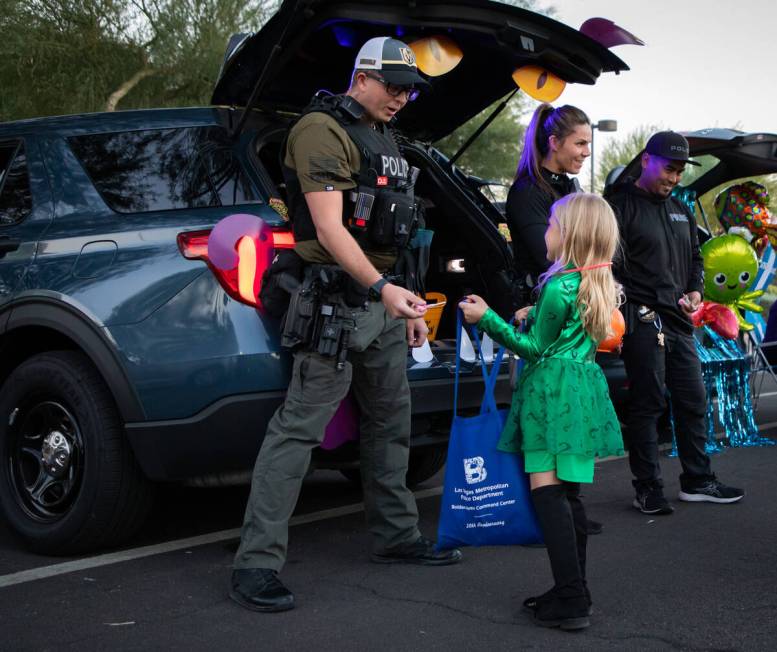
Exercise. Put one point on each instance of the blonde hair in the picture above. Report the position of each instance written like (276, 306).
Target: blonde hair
(589, 236)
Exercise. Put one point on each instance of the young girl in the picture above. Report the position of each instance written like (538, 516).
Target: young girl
(561, 416)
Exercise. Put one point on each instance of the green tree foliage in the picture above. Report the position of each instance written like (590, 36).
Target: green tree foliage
(67, 56)
(494, 155)
(621, 151)
(73, 56)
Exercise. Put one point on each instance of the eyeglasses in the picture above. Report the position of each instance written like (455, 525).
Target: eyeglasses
(394, 90)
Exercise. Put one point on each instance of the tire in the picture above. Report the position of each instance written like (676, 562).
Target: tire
(69, 483)
(425, 462)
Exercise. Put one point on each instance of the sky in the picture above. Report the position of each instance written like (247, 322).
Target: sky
(704, 64)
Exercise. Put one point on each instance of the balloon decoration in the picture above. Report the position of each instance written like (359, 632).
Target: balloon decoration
(730, 266)
(743, 209)
(439, 54)
(608, 33)
(617, 328)
(539, 83)
(733, 282)
(719, 318)
(436, 55)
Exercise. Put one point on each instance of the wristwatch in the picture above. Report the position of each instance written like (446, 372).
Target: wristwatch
(375, 288)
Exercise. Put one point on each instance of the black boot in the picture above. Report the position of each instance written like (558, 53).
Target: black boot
(582, 531)
(566, 605)
(259, 589)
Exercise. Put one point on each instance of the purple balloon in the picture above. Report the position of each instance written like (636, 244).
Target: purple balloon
(226, 234)
(608, 33)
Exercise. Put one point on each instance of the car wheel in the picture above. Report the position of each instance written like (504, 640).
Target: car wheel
(69, 482)
(424, 463)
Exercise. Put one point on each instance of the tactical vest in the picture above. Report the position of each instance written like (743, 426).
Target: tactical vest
(380, 212)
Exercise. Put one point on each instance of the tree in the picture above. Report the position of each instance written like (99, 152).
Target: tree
(494, 155)
(621, 151)
(70, 56)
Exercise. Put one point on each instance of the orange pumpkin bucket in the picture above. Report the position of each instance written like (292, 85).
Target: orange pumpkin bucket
(435, 304)
(618, 328)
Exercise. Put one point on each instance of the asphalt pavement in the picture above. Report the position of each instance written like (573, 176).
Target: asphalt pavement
(704, 578)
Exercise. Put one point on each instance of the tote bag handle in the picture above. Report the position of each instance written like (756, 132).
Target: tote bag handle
(489, 379)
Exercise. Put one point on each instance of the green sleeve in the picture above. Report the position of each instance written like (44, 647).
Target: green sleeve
(550, 316)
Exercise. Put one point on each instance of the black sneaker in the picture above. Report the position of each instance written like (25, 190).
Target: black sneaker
(530, 605)
(569, 614)
(710, 491)
(421, 551)
(652, 501)
(259, 589)
(593, 527)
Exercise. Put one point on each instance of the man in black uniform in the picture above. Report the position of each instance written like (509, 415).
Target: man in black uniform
(662, 275)
(350, 197)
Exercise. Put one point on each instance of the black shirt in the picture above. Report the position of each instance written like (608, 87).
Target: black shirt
(527, 212)
(660, 259)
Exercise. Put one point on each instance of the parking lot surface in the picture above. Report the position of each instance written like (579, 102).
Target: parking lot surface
(701, 579)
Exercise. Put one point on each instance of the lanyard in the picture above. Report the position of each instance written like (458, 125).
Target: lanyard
(582, 269)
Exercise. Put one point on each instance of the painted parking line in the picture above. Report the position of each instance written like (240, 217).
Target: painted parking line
(53, 570)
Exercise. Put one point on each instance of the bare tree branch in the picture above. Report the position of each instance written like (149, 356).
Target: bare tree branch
(116, 97)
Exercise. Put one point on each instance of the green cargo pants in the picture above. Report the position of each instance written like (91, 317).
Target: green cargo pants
(376, 362)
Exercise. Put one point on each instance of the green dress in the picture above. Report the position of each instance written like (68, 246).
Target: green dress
(561, 416)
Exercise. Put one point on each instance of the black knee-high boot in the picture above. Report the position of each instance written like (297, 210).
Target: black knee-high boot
(580, 520)
(566, 606)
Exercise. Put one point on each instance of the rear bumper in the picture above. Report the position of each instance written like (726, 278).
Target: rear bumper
(226, 436)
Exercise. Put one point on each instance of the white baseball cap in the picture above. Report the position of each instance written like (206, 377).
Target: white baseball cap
(393, 59)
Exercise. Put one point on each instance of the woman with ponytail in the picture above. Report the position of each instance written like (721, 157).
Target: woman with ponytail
(561, 417)
(557, 143)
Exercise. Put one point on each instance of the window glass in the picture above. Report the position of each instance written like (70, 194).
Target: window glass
(164, 169)
(15, 195)
(693, 172)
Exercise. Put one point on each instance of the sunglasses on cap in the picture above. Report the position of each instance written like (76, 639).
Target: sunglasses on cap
(394, 90)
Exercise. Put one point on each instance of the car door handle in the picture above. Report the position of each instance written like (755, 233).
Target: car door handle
(6, 245)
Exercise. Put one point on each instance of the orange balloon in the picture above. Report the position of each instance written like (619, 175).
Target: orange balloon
(618, 328)
(539, 83)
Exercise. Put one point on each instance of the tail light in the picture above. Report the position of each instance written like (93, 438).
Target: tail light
(255, 254)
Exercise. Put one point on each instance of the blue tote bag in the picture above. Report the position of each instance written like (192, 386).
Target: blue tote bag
(486, 498)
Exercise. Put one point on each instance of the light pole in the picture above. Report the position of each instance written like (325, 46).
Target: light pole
(602, 125)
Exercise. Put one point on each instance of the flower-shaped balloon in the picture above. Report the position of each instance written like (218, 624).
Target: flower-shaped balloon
(744, 207)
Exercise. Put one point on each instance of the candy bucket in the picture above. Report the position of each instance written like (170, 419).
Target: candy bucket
(435, 304)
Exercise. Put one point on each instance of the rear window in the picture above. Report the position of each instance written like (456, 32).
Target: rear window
(164, 169)
(15, 195)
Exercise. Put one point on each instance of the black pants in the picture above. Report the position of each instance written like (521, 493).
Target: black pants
(652, 370)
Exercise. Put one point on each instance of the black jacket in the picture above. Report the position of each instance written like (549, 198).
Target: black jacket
(659, 259)
(527, 211)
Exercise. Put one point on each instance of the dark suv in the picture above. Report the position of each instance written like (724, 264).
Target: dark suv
(125, 357)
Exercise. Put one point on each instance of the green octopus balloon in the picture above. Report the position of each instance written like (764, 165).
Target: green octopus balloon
(730, 266)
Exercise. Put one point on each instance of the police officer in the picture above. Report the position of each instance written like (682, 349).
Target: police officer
(662, 275)
(351, 204)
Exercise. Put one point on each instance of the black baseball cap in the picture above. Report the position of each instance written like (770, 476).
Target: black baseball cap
(392, 59)
(670, 145)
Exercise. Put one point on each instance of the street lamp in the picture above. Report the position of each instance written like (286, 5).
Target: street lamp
(602, 125)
